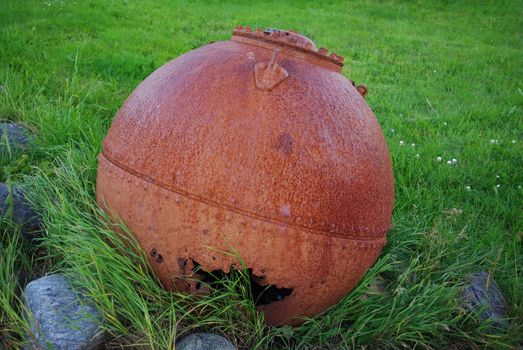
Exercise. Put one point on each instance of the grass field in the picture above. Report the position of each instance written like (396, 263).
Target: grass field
(445, 80)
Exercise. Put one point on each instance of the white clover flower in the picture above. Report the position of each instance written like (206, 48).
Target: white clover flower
(498, 185)
(494, 141)
(445, 123)
(497, 176)
(513, 141)
(439, 159)
(412, 145)
(454, 160)
(449, 162)
(467, 188)
(417, 155)
(402, 143)
(400, 290)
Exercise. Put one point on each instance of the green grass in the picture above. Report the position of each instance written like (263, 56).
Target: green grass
(446, 76)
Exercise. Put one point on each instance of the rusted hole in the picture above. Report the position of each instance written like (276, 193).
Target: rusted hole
(182, 262)
(262, 293)
(159, 258)
(153, 252)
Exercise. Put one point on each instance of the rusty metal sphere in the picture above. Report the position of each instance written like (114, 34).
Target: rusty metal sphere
(257, 146)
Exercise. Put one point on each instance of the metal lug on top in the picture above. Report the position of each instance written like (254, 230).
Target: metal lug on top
(268, 75)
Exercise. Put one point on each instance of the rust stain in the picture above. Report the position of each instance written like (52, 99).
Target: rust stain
(256, 145)
(285, 143)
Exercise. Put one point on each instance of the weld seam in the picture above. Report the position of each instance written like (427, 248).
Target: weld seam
(362, 240)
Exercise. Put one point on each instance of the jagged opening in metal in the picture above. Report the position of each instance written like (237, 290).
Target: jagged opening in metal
(262, 294)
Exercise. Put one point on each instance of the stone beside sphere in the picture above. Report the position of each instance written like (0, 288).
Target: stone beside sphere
(204, 341)
(13, 136)
(60, 318)
(21, 213)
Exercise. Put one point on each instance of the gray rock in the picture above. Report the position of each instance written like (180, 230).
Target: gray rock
(15, 135)
(204, 341)
(60, 318)
(19, 211)
(483, 295)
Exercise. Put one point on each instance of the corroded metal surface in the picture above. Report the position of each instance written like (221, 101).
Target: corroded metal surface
(257, 146)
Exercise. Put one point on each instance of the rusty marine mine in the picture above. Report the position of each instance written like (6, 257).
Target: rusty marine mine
(260, 147)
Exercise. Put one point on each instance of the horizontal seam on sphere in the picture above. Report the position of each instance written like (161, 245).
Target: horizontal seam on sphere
(363, 240)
